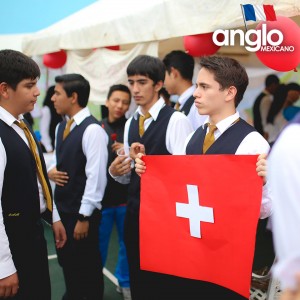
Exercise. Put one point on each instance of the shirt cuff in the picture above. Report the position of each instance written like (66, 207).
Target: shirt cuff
(86, 209)
(266, 203)
(7, 268)
(124, 179)
(55, 215)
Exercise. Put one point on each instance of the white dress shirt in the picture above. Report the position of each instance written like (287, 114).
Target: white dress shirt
(94, 147)
(194, 117)
(44, 128)
(253, 143)
(274, 129)
(6, 263)
(284, 178)
(178, 129)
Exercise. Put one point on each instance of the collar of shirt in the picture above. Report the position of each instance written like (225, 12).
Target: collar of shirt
(7, 117)
(80, 116)
(154, 110)
(186, 95)
(224, 124)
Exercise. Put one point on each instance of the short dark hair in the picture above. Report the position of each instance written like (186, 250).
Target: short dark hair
(227, 72)
(270, 79)
(75, 83)
(118, 87)
(16, 66)
(149, 66)
(180, 61)
(293, 86)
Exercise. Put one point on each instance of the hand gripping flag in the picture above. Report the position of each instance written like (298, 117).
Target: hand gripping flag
(198, 218)
(259, 12)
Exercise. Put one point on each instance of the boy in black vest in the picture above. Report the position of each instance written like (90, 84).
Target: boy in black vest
(24, 186)
(115, 198)
(161, 130)
(80, 176)
(178, 81)
(221, 84)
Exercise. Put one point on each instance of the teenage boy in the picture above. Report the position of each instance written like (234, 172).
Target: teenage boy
(115, 197)
(178, 81)
(80, 175)
(161, 130)
(25, 191)
(220, 87)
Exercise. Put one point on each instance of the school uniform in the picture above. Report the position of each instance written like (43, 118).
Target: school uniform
(233, 136)
(23, 246)
(83, 155)
(187, 107)
(165, 132)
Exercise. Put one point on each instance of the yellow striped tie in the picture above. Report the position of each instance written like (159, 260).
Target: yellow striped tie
(40, 173)
(210, 137)
(68, 128)
(142, 120)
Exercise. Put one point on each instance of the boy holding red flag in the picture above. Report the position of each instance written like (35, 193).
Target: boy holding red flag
(221, 84)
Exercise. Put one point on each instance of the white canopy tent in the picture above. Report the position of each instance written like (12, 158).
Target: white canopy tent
(119, 22)
(139, 27)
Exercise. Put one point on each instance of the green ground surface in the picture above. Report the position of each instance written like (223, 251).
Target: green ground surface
(57, 280)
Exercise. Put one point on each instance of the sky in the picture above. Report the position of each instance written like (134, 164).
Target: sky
(19, 16)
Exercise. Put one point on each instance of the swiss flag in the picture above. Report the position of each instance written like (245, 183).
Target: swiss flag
(211, 239)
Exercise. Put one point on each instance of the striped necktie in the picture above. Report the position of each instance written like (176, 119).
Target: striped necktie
(40, 173)
(210, 137)
(68, 128)
(142, 120)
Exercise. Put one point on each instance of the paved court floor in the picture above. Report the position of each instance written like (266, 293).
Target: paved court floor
(57, 280)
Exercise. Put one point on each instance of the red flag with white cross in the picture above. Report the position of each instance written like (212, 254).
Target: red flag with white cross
(198, 217)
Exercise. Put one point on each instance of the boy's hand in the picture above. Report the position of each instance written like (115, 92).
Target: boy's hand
(120, 166)
(140, 166)
(135, 149)
(261, 167)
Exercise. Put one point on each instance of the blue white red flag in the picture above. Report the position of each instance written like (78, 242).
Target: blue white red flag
(259, 12)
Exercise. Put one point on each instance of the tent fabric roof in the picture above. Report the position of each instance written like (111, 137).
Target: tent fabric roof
(119, 22)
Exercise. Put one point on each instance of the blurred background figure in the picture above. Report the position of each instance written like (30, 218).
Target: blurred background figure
(49, 119)
(179, 81)
(114, 202)
(263, 103)
(275, 118)
(292, 104)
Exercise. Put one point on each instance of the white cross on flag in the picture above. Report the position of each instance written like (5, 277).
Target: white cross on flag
(198, 217)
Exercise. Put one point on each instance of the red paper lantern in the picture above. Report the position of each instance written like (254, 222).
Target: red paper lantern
(200, 44)
(116, 48)
(285, 60)
(55, 60)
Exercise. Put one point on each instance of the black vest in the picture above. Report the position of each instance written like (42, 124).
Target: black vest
(227, 143)
(71, 159)
(257, 122)
(187, 105)
(20, 194)
(115, 192)
(154, 140)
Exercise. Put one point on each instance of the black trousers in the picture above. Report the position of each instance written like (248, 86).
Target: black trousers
(81, 261)
(146, 285)
(31, 260)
